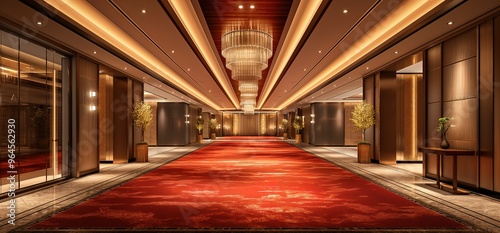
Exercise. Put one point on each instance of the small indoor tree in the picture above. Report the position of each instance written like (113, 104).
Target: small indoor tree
(142, 115)
(363, 118)
(284, 127)
(213, 125)
(199, 126)
(298, 124)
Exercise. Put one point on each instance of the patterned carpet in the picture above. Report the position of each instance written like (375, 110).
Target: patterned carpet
(249, 185)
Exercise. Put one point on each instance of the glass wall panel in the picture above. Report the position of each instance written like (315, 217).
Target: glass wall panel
(34, 99)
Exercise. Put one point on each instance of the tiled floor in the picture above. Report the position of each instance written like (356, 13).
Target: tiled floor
(479, 212)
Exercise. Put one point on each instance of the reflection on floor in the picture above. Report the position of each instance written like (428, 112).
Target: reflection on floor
(478, 211)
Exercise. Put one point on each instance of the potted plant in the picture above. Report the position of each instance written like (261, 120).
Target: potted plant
(443, 128)
(298, 124)
(363, 118)
(142, 115)
(284, 127)
(213, 126)
(199, 126)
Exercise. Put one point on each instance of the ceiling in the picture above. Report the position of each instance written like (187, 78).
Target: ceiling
(322, 49)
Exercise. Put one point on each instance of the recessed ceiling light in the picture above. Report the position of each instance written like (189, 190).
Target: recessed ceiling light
(345, 11)
(252, 7)
(319, 51)
(450, 23)
(189, 69)
(95, 52)
(367, 67)
(125, 68)
(349, 76)
(209, 90)
(396, 52)
(240, 6)
(334, 85)
(159, 85)
(305, 69)
(143, 11)
(144, 77)
(285, 90)
(173, 51)
(39, 22)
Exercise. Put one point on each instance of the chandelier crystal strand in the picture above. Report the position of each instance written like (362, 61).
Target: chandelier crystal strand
(246, 52)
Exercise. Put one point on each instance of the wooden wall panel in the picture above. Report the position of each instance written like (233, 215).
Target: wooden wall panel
(171, 118)
(369, 97)
(486, 105)
(433, 74)
(496, 104)
(459, 80)
(121, 120)
(386, 108)
(459, 48)
(249, 124)
(306, 132)
(329, 124)
(88, 129)
(227, 124)
(105, 107)
(150, 133)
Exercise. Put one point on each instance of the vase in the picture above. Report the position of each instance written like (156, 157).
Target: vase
(444, 142)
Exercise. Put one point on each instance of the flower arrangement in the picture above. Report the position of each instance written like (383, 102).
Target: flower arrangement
(363, 118)
(444, 125)
(199, 124)
(298, 123)
(142, 115)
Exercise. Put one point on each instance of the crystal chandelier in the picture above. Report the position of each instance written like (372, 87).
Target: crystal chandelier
(246, 52)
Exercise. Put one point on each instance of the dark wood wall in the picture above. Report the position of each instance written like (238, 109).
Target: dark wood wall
(171, 124)
(496, 104)
(329, 124)
(87, 129)
(462, 76)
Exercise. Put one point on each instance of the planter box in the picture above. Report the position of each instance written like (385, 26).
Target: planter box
(298, 138)
(364, 153)
(285, 136)
(141, 151)
(199, 138)
(213, 136)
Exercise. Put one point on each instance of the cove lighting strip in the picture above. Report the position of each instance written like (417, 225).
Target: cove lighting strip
(92, 19)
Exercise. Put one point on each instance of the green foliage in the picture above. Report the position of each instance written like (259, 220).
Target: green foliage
(199, 124)
(298, 124)
(284, 124)
(142, 115)
(363, 117)
(444, 125)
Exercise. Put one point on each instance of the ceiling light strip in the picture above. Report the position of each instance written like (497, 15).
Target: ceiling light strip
(188, 17)
(399, 19)
(87, 16)
(305, 14)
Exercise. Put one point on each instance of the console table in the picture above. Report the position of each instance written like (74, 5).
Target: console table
(446, 152)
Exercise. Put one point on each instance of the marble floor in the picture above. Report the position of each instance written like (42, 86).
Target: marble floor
(479, 212)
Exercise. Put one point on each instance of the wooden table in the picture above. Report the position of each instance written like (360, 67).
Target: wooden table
(446, 152)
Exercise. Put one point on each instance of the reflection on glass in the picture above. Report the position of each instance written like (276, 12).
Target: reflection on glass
(31, 83)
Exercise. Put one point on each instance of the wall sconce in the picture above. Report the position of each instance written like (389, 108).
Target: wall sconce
(187, 119)
(92, 107)
(92, 94)
(218, 126)
(312, 118)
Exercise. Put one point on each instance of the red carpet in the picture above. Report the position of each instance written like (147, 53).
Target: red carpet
(268, 184)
